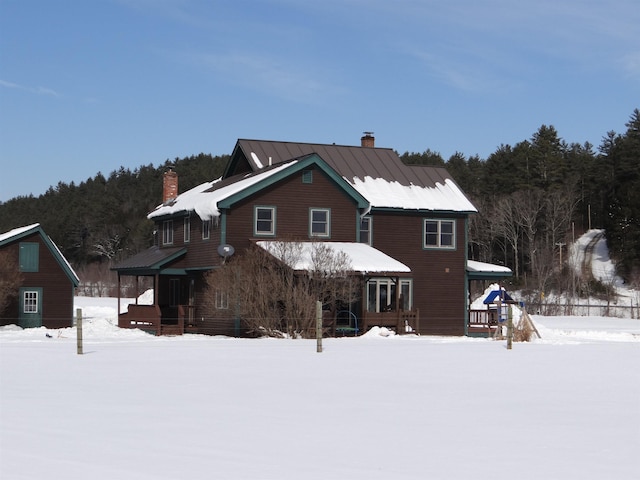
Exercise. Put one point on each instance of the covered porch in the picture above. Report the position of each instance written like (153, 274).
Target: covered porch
(171, 311)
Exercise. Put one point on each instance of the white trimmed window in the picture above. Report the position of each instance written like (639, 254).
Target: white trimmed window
(206, 229)
(439, 234)
(30, 301)
(381, 294)
(222, 300)
(365, 230)
(319, 222)
(187, 229)
(167, 232)
(264, 221)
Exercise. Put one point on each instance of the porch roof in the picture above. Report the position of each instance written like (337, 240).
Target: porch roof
(486, 271)
(150, 261)
(362, 257)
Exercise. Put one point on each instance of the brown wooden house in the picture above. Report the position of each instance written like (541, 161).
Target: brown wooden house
(47, 284)
(415, 216)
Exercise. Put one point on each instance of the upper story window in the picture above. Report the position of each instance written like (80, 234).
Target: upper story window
(187, 229)
(29, 256)
(206, 229)
(439, 234)
(167, 232)
(364, 235)
(264, 221)
(319, 222)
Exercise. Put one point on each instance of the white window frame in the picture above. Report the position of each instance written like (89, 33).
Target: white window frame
(187, 229)
(368, 230)
(327, 222)
(167, 232)
(30, 301)
(259, 222)
(379, 284)
(439, 234)
(222, 300)
(206, 229)
(408, 299)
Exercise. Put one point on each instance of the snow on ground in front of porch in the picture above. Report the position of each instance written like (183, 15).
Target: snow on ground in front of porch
(380, 406)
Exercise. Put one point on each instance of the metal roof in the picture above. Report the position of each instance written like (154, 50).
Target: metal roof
(149, 261)
(349, 161)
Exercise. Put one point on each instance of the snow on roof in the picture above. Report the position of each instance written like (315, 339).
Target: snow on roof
(474, 266)
(385, 194)
(204, 198)
(363, 258)
(17, 231)
(36, 226)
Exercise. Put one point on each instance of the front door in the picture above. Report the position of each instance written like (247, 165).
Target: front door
(30, 307)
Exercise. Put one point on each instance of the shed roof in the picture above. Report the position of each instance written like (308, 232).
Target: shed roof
(22, 232)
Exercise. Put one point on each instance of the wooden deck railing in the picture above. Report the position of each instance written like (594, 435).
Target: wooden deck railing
(144, 317)
(401, 321)
(482, 321)
(150, 319)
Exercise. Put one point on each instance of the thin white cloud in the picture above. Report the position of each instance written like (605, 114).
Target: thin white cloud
(268, 74)
(34, 90)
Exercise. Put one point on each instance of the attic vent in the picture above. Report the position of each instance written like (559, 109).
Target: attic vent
(307, 176)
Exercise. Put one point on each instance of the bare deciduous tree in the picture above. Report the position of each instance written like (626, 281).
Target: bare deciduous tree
(10, 279)
(272, 298)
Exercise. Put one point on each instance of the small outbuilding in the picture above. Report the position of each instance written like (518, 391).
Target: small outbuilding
(47, 281)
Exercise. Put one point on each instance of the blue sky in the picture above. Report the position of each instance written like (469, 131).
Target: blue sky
(88, 86)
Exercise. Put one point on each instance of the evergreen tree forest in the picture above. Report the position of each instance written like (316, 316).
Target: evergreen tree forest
(533, 199)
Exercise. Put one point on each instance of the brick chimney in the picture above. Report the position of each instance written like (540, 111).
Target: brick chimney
(368, 140)
(169, 186)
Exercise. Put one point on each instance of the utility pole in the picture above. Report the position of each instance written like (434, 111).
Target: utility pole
(560, 244)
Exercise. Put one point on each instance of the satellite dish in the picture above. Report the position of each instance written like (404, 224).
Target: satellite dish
(225, 250)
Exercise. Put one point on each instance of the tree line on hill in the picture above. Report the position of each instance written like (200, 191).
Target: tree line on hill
(533, 198)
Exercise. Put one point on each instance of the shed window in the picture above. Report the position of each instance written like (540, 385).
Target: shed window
(30, 301)
(29, 256)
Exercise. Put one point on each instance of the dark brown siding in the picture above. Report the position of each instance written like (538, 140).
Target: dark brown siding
(438, 275)
(293, 199)
(57, 288)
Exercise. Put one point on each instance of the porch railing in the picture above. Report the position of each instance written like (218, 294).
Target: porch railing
(150, 319)
(402, 321)
(144, 317)
(482, 321)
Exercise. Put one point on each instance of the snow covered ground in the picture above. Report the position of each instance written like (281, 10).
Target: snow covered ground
(136, 406)
(380, 406)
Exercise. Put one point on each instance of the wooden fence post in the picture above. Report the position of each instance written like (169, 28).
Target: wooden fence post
(79, 329)
(319, 326)
(509, 328)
